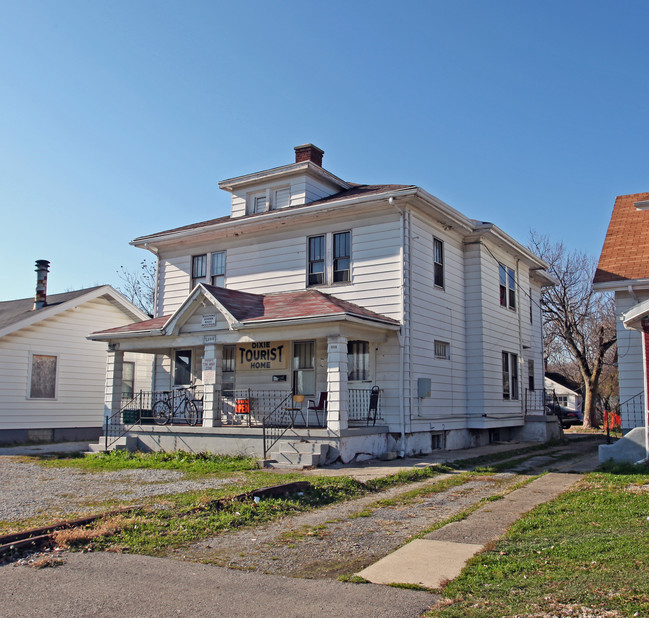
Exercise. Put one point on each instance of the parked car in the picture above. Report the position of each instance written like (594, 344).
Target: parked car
(567, 417)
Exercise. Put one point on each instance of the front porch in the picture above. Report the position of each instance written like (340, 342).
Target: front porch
(257, 420)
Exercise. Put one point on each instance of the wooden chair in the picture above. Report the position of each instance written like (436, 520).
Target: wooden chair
(374, 404)
(321, 407)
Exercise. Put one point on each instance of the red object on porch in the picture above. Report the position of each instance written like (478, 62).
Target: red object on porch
(242, 406)
(612, 420)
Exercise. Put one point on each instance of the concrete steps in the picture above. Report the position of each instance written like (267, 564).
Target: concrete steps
(125, 443)
(299, 454)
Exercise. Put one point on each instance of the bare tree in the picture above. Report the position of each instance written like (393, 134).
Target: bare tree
(139, 286)
(578, 323)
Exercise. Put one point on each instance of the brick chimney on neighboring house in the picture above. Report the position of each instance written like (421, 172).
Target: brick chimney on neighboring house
(308, 152)
(42, 268)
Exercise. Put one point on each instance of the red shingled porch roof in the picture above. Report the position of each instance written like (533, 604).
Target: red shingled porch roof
(250, 308)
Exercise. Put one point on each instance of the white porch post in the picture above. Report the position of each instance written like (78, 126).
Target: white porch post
(113, 390)
(211, 385)
(338, 392)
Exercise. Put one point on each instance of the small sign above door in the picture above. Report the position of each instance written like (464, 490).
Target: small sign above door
(208, 320)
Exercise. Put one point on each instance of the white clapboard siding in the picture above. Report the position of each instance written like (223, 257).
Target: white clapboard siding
(175, 282)
(81, 369)
(629, 347)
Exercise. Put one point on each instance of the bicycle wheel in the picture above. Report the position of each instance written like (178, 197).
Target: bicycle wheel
(161, 412)
(191, 411)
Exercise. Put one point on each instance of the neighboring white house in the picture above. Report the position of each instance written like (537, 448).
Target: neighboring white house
(623, 269)
(52, 378)
(557, 390)
(317, 285)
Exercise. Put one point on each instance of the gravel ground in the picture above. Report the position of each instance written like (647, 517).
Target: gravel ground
(342, 538)
(29, 490)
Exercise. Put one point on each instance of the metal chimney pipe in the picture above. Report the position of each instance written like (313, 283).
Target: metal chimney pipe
(42, 268)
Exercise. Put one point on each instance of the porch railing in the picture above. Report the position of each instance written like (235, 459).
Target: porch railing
(359, 405)
(632, 412)
(137, 410)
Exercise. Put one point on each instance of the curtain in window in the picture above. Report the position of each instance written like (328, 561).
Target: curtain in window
(304, 368)
(358, 360)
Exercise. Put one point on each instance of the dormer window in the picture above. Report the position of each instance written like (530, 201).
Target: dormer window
(271, 199)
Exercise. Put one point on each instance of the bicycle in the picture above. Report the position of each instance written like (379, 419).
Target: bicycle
(178, 403)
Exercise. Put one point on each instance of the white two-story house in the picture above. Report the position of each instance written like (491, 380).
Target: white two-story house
(315, 290)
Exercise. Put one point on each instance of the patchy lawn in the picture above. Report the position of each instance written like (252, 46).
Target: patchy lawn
(584, 554)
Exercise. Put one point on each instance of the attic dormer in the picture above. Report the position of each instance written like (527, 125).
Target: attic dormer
(296, 184)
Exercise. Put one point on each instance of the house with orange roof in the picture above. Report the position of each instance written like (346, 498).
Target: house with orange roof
(324, 319)
(623, 269)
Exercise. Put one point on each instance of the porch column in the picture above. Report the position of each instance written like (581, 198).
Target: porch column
(338, 392)
(211, 384)
(113, 390)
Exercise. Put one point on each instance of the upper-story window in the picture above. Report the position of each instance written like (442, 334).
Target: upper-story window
(216, 274)
(316, 260)
(199, 269)
(329, 258)
(507, 286)
(217, 269)
(342, 257)
(270, 199)
(438, 262)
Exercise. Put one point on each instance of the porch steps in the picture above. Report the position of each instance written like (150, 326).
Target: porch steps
(125, 443)
(299, 454)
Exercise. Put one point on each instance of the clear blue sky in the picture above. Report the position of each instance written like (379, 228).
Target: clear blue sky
(119, 117)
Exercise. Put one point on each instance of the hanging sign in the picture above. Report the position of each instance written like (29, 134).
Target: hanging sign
(262, 355)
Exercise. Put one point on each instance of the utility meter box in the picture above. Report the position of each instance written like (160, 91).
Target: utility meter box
(423, 387)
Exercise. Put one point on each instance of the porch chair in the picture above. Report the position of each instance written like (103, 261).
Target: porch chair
(321, 407)
(374, 404)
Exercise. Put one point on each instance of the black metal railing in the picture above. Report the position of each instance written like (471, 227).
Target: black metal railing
(137, 410)
(632, 412)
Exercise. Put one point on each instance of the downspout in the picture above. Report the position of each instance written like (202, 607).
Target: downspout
(521, 351)
(400, 335)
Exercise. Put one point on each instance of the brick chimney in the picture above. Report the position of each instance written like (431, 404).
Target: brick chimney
(42, 268)
(308, 152)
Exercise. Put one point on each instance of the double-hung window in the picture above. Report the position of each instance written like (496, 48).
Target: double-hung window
(358, 360)
(316, 260)
(43, 377)
(507, 278)
(199, 269)
(510, 376)
(304, 368)
(217, 269)
(216, 273)
(341, 257)
(438, 262)
(530, 375)
(329, 259)
(128, 380)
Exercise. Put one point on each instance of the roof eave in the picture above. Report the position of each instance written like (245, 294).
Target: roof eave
(230, 184)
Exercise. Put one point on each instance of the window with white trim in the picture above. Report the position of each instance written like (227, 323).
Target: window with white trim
(438, 263)
(182, 367)
(304, 368)
(442, 350)
(329, 259)
(507, 278)
(510, 376)
(43, 377)
(270, 199)
(281, 198)
(128, 379)
(216, 273)
(358, 360)
(199, 269)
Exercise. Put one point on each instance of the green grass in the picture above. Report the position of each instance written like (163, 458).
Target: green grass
(189, 463)
(587, 548)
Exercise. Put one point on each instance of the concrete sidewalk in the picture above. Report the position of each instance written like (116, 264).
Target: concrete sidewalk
(441, 555)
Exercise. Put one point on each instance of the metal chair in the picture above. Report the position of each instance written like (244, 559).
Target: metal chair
(321, 407)
(374, 404)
